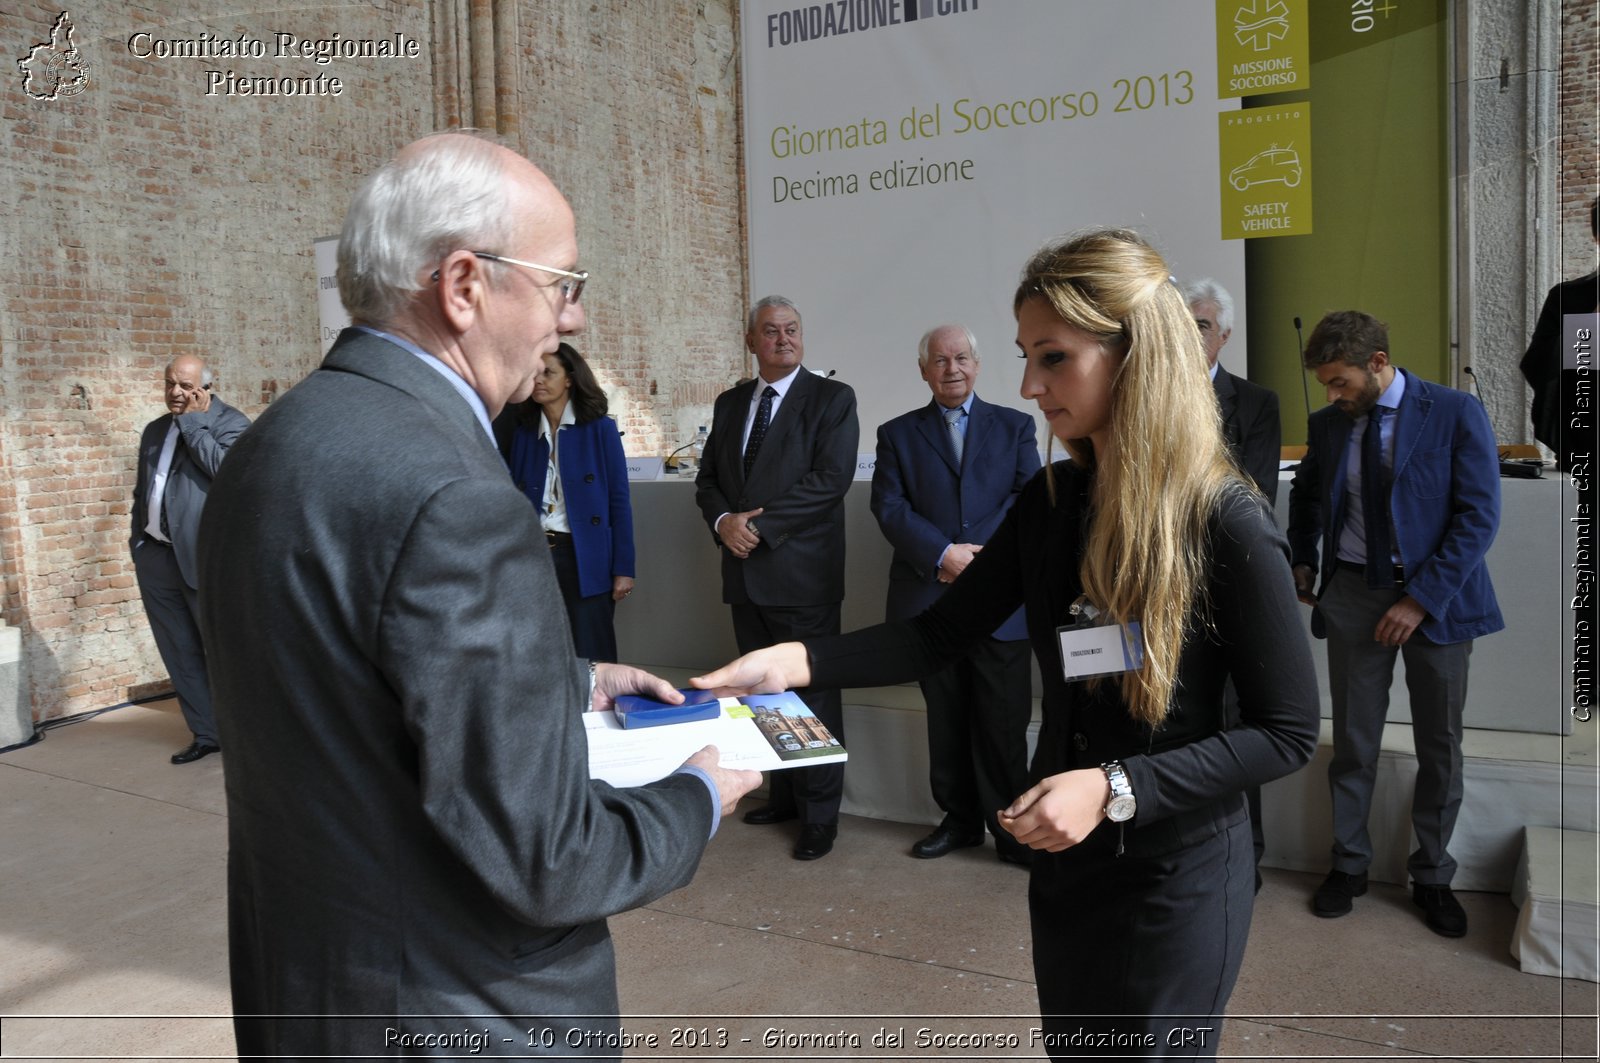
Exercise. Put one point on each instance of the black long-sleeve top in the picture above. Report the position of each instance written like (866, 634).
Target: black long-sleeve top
(1246, 625)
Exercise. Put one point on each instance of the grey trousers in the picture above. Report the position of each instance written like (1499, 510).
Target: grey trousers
(1360, 672)
(174, 612)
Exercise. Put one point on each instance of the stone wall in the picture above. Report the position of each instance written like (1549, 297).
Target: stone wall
(1525, 100)
(1580, 132)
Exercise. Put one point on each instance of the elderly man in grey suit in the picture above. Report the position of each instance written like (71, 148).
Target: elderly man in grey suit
(780, 458)
(417, 854)
(179, 453)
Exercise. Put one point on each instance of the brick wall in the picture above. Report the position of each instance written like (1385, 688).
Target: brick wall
(145, 219)
(1580, 103)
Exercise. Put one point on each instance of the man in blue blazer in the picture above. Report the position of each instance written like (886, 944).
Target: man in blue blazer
(1400, 489)
(945, 476)
(771, 487)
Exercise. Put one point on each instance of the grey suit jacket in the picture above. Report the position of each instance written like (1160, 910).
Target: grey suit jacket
(412, 826)
(799, 480)
(205, 437)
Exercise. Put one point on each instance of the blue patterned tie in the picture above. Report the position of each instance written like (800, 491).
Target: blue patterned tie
(758, 431)
(1375, 503)
(953, 419)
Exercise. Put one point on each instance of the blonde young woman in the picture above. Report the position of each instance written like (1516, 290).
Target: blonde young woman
(1142, 885)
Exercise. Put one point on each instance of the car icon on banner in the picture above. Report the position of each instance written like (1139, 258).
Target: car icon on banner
(1264, 167)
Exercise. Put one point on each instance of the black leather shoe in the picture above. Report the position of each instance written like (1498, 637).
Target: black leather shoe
(1336, 896)
(1440, 910)
(1020, 857)
(194, 751)
(816, 841)
(767, 814)
(945, 839)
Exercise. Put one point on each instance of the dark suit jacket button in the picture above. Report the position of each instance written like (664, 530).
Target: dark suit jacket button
(589, 479)
(1080, 741)
(594, 520)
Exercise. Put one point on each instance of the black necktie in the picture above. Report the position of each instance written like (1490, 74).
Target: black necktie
(758, 431)
(1375, 503)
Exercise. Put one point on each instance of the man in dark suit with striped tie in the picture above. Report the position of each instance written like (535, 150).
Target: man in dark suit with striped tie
(771, 486)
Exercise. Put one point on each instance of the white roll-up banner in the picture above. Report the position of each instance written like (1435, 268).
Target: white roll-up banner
(905, 157)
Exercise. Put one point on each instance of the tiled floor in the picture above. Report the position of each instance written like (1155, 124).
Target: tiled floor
(113, 943)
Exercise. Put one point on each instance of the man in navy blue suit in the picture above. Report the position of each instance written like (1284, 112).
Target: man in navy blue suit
(946, 474)
(1400, 488)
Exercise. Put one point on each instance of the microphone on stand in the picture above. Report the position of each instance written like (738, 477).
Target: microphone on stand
(1300, 350)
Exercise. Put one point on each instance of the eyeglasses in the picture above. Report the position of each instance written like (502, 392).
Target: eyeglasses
(571, 290)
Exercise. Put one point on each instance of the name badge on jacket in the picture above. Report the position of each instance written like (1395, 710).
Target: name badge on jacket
(1093, 646)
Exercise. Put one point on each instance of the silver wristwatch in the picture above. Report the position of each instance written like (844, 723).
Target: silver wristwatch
(1122, 805)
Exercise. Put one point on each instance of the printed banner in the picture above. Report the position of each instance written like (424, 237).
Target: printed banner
(1263, 46)
(904, 159)
(1266, 171)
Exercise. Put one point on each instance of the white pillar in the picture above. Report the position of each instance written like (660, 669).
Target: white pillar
(16, 716)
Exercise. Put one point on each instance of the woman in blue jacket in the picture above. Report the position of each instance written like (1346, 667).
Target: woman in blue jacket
(580, 487)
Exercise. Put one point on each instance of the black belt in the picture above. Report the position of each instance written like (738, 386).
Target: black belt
(556, 539)
(1399, 574)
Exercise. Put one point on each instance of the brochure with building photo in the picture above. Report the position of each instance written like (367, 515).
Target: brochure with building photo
(762, 732)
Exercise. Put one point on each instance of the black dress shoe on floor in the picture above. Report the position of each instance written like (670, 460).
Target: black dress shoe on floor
(1336, 895)
(944, 840)
(1021, 857)
(816, 841)
(1440, 910)
(767, 814)
(194, 751)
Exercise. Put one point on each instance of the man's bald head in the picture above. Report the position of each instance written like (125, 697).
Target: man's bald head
(185, 383)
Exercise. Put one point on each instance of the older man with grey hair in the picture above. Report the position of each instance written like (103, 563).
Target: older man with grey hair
(1250, 421)
(416, 848)
(946, 474)
(780, 458)
(1254, 434)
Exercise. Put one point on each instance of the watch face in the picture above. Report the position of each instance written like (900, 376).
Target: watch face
(1120, 809)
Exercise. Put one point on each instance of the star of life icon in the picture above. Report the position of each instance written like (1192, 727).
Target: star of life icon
(1259, 25)
(54, 69)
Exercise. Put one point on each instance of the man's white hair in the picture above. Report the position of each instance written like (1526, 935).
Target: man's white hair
(1206, 290)
(927, 338)
(449, 195)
